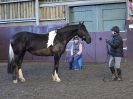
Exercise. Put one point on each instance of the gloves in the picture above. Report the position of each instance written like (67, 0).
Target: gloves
(75, 55)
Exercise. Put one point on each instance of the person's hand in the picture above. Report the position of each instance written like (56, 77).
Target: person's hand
(75, 55)
(107, 41)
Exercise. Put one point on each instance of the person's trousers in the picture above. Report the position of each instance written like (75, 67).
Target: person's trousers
(115, 62)
(73, 62)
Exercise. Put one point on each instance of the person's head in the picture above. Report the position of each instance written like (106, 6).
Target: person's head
(130, 0)
(76, 39)
(115, 30)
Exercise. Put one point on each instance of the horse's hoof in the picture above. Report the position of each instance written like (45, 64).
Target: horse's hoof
(15, 81)
(58, 80)
(22, 79)
(53, 78)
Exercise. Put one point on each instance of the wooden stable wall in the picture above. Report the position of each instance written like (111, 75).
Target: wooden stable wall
(35, 12)
(52, 13)
(10, 11)
(14, 11)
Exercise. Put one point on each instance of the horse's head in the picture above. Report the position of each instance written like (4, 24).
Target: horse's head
(83, 33)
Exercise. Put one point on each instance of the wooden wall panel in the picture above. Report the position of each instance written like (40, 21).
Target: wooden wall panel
(17, 10)
(52, 13)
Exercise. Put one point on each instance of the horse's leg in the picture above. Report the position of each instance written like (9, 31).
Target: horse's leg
(20, 74)
(19, 70)
(55, 75)
(15, 69)
(14, 75)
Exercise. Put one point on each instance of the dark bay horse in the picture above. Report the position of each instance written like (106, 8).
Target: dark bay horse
(37, 44)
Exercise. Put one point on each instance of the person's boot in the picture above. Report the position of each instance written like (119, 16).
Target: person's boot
(70, 66)
(114, 76)
(119, 74)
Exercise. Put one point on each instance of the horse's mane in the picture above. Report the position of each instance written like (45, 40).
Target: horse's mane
(67, 28)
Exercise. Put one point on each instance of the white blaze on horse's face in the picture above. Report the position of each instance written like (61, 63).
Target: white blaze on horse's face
(51, 37)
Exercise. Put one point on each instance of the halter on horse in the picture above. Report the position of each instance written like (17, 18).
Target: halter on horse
(36, 44)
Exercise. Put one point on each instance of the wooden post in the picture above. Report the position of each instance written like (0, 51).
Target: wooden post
(33, 9)
(5, 8)
(10, 11)
(67, 13)
(24, 10)
(13, 8)
(54, 12)
(16, 10)
(60, 11)
(37, 12)
(51, 13)
(48, 12)
(44, 13)
(19, 11)
(27, 9)
(30, 9)
(0, 12)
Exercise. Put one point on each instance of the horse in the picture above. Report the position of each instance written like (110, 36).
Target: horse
(38, 44)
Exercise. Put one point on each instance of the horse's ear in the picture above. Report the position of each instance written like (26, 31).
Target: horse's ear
(82, 22)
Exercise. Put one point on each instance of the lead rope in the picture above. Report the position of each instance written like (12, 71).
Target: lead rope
(107, 60)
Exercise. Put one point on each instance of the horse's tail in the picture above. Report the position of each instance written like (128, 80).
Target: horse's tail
(11, 60)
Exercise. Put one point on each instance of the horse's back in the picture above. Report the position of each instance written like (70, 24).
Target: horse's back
(23, 36)
(19, 36)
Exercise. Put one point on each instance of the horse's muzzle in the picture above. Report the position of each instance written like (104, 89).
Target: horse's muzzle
(88, 41)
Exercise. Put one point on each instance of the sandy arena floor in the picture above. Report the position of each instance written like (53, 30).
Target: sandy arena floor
(84, 84)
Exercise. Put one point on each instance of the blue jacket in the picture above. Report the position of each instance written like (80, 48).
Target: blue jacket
(116, 46)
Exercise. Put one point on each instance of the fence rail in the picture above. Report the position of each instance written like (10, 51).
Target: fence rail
(12, 1)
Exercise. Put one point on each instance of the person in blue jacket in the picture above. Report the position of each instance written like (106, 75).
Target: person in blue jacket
(116, 53)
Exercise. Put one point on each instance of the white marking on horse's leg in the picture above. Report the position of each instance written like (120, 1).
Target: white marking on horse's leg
(21, 77)
(57, 79)
(15, 81)
(53, 77)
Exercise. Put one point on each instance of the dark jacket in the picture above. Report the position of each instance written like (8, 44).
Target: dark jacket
(116, 46)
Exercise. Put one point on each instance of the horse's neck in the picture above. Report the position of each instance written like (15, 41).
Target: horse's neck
(69, 35)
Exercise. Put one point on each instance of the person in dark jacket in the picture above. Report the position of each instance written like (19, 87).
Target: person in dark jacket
(116, 53)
